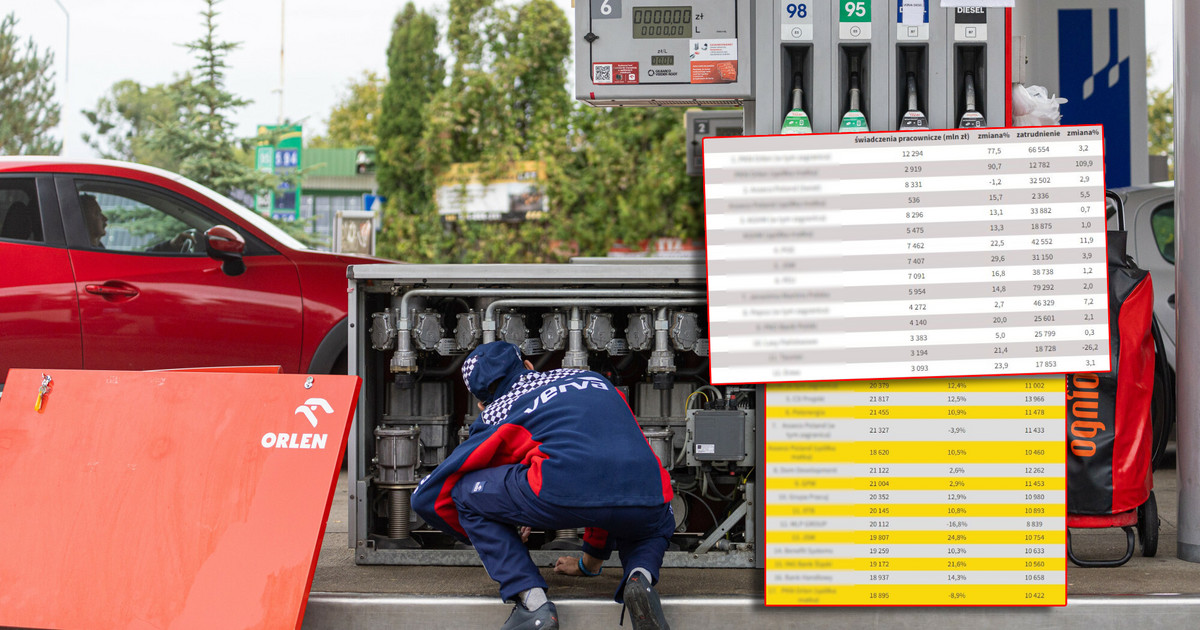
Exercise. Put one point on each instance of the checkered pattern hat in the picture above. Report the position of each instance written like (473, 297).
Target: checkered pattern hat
(497, 411)
(496, 363)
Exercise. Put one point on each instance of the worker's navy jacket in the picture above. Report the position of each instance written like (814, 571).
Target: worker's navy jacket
(575, 432)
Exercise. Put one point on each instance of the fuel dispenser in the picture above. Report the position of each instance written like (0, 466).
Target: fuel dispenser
(851, 64)
(902, 64)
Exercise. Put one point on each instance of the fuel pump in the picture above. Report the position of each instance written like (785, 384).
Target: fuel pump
(880, 66)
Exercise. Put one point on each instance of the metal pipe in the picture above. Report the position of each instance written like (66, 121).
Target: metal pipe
(662, 360)
(489, 314)
(533, 293)
(576, 357)
(405, 359)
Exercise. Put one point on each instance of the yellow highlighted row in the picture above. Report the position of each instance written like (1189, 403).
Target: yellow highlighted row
(949, 483)
(949, 510)
(918, 412)
(883, 594)
(1049, 565)
(991, 452)
(1023, 384)
(952, 538)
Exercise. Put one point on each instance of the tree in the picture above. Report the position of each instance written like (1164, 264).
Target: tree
(415, 75)
(506, 100)
(126, 119)
(1161, 112)
(28, 111)
(637, 157)
(354, 120)
(200, 136)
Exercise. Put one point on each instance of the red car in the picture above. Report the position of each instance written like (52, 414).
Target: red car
(114, 266)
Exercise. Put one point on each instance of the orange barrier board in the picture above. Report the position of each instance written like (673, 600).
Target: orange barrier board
(166, 499)
(242, 369)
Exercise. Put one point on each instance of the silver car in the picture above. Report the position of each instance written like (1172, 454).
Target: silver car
(1150, 220)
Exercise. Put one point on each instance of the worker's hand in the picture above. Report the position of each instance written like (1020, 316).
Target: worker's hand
(569, 565)
(524, 532)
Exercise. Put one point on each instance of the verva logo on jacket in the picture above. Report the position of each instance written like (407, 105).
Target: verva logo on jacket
(582, 383)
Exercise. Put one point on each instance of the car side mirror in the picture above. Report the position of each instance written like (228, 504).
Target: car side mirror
(223, 243)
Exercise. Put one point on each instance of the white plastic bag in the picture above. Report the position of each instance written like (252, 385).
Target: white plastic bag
(1032, 107)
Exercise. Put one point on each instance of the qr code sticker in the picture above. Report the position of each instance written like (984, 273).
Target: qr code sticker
(602, 73)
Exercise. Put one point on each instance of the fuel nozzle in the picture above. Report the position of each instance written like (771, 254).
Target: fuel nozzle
(914, 118)
(971, 118)
(854, 120)
(796, 121)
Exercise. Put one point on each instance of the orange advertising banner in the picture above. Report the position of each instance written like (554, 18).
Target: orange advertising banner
(165, 499)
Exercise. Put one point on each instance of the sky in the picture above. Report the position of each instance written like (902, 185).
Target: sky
(327, 45)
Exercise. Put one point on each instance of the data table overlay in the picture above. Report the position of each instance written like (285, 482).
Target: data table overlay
(916, 492)
(906, 254)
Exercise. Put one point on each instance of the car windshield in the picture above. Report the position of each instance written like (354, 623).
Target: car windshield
(245, 213)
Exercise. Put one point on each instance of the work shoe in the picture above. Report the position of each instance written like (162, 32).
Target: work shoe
(645, 609)
(544, 618)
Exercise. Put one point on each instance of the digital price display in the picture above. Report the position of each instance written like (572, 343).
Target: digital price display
(663, 53)
(662, 22)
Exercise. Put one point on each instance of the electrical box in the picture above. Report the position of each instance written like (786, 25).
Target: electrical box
(707, 124)
(652, 53)
(720, 435)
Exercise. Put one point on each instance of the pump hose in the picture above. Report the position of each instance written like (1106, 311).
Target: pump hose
(398, 526)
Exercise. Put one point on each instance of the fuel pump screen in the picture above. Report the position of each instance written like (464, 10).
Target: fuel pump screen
(662, 22)
(663, 53)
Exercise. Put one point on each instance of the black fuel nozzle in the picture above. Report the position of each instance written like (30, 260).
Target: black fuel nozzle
(797, 91)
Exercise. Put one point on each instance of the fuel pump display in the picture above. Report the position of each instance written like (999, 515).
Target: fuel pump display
(662, 52)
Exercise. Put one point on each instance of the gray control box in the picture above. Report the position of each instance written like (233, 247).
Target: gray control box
(663, 52)
(718, 436)
(707, 124)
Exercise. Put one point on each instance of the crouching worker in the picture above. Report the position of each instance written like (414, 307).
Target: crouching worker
(552, 450)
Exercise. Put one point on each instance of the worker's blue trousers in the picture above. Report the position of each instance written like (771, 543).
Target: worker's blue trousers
(493, 502)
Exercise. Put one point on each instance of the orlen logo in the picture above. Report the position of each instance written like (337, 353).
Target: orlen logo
(301, 440)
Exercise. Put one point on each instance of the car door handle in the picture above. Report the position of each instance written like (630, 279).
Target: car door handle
(111, 291)
(1171, 301)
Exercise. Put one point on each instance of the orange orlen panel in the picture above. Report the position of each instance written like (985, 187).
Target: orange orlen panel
(238, 369)
(166, 499)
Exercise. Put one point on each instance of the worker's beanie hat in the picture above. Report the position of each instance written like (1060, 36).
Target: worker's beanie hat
(497, 363)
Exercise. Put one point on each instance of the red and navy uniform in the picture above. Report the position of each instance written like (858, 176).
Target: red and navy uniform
(559, 450)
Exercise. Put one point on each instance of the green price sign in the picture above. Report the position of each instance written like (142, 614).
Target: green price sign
(855, 10)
